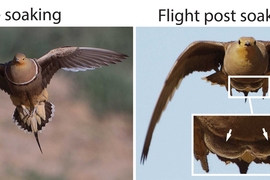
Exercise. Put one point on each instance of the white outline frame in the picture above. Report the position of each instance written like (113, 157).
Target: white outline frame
(192, 145)
(248, 97)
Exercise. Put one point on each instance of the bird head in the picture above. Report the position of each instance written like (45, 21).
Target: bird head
(19, 59)
(247, 42)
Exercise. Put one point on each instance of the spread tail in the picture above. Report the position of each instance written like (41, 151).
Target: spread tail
(35, 120)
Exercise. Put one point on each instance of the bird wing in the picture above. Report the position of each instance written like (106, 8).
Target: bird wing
(198, 56)
(267, 46)
(3, 83)
(76, 59)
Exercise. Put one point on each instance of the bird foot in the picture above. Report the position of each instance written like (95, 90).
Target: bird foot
(40, 110)
(38, 113)
(25, 111)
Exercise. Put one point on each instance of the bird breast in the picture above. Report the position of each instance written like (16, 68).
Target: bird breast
(246, 60)
(22, 74)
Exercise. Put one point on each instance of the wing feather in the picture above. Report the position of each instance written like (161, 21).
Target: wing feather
(3, 83)
(198, 56)
(267, 46)
(76, 59)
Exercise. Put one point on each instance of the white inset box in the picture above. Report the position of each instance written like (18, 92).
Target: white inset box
(251, 94)
(221, 142)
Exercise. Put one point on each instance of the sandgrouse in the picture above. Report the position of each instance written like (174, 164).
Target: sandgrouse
(245, 56)
(26, 79)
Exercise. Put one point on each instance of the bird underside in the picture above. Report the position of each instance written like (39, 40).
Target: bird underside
(246, 144)
(244, 85)
(33, 120)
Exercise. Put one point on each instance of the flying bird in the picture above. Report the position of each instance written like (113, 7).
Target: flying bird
(245, 56)
(26, 79)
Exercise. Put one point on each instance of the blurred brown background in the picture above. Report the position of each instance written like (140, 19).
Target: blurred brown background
(90, 136)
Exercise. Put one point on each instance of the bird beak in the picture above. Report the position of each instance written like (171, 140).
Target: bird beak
(247, 43)
(15, 59)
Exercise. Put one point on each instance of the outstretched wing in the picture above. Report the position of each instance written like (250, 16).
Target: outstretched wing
(76, 59)
(3, 83)
(198, 56)
(267, 47)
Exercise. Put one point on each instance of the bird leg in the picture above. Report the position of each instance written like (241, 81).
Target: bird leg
(40, 110)
(26, 114)
(25, 111)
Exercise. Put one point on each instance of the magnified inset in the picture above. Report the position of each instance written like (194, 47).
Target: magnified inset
(233, 139)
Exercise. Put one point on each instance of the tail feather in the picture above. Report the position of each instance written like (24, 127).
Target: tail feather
(19, 118)
(39, 118)
(36, 136)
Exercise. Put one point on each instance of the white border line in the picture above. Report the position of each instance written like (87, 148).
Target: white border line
(134, 128)
(192, 145)
(250, 106)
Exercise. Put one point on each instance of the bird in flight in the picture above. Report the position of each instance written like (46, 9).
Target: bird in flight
(26, 79)
(245, 56)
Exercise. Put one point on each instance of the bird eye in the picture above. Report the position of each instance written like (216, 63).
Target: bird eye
(254, 42)
(239, 42)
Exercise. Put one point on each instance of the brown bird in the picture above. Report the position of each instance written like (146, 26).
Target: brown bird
(243, 57)
(26, 79)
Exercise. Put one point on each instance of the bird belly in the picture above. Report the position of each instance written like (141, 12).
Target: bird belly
(247, 84)
(29, 94)
(29, 100)
(246, 62)
(246, 67)
(247, 135)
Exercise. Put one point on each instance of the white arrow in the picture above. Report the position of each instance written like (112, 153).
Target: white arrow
(265, 134)
(229, 134)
